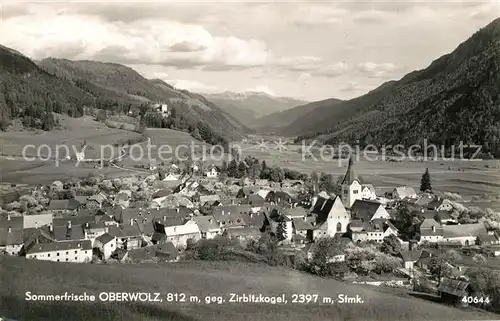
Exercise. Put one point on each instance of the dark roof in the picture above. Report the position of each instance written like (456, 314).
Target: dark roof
(14, 237)
(322, 207)
(60, 246)
(63, 233)
(461, 230)
(167, 248)
(243, 231)
(71, 204)
(256, 200)
(279, 197)
(75, 220)
(302, 225)
(206, 223)
(487, 238)
(7, 221)
(453, 287)
(364, 210)
(105, 238)
(157, 236)
(255, 219)
(153, 213)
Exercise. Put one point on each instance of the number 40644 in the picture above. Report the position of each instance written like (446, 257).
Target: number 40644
(475, 300)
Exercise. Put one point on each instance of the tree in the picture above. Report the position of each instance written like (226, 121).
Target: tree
(264, 165)
(232, 169)
(223, 168)
(391, 245)
(425, 182)
(281, 233)
(479, 259)
(439, 265)
(242, 170)
(255, 169)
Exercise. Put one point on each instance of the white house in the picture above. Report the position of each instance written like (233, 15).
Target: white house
(171, 177)
(431, 231)
(351, 186)
(368, 192)
(180, 234)
(212, 173)
(404, 192)
(66, 251)
(208, 226)
(106, 244)
(331, 217)
(375, 230)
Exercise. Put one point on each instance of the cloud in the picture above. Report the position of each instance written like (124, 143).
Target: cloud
(161, 42)
(193, 86)
(262, 89)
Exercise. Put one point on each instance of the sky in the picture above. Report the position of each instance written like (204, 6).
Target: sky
(310, 50)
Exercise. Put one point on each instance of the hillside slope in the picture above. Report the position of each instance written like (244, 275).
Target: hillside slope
(201, 279)
(29, 91)
(247, 106)
(456, 98)
(281, 121)
(126, 82)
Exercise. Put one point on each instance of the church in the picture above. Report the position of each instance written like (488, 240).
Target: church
(351, 186)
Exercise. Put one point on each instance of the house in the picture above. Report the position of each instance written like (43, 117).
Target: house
(465, 234)
(303, 227)
(404, 192)
(93, 230)
(209, 199)
(452, 290)
(289, 183)
(431, 231)
(63, 206)
(167, 252)
(279, 197)
(231, 216)
(171, 177)
(208, 226)
(295, 212)
(262, 183)
(351, 185)
(368, 192)
(128, 236)
(255, 201)
(66, 251)
(243, 234)
(244, 192)
(487, 240)
(106, 245)
(368, 210)
(410, 258)
(213, 172)
(11, 234)
(375, 230)
(331, 217)
(37, 220)
(95, 201)
(178, 230)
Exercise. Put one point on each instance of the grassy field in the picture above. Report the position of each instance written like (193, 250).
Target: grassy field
(201, 279)
(468, 178)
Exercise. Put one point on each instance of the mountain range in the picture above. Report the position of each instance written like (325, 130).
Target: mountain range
(251, 105)
(30, 89)
(456, 98)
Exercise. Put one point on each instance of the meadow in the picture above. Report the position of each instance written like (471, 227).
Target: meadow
(201, 279)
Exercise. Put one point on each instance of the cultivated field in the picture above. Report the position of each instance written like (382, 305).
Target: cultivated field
(468, 178)
(201, 279)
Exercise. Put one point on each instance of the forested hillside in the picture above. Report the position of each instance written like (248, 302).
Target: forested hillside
(457, 98)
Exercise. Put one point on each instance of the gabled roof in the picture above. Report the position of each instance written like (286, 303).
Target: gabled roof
(462, 230)
(105, 238)
(364, 210)
(429, 223)
(405, 191)
(11, 221)
(12, 237)
(243, 232)
(206, 223)
(302, 225)
(69, 205)
(60, 246)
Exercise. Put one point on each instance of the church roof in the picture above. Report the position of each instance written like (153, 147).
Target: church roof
(350, 175)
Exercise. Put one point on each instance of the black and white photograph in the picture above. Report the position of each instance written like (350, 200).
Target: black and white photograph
(250, 160)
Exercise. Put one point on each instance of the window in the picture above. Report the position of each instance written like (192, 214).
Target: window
(48, 255)
(57, 260)
(339, 227)
(76, 259)
(355, 191)
(76, 252)
(67, 253)
(58, 254)
(66, 259)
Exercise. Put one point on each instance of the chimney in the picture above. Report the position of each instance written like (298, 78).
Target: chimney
(69, 224)
(232, 201)
(228, 213)
(433, 228)
(8, 217)
(209, 220)
(177, 210)
(279, 199)
(164, 217)
(50, 228)
(305, 218)
(36, 224)
(222, 212)
(251, 215)
(87, 224)
(131, 221)
(10, 229)
(158, 207)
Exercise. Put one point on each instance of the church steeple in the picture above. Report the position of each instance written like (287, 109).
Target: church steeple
(350, 175)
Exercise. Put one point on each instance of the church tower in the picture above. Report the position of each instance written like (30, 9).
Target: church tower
(351, 185)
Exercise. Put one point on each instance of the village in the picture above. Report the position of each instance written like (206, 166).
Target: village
(403, 238)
